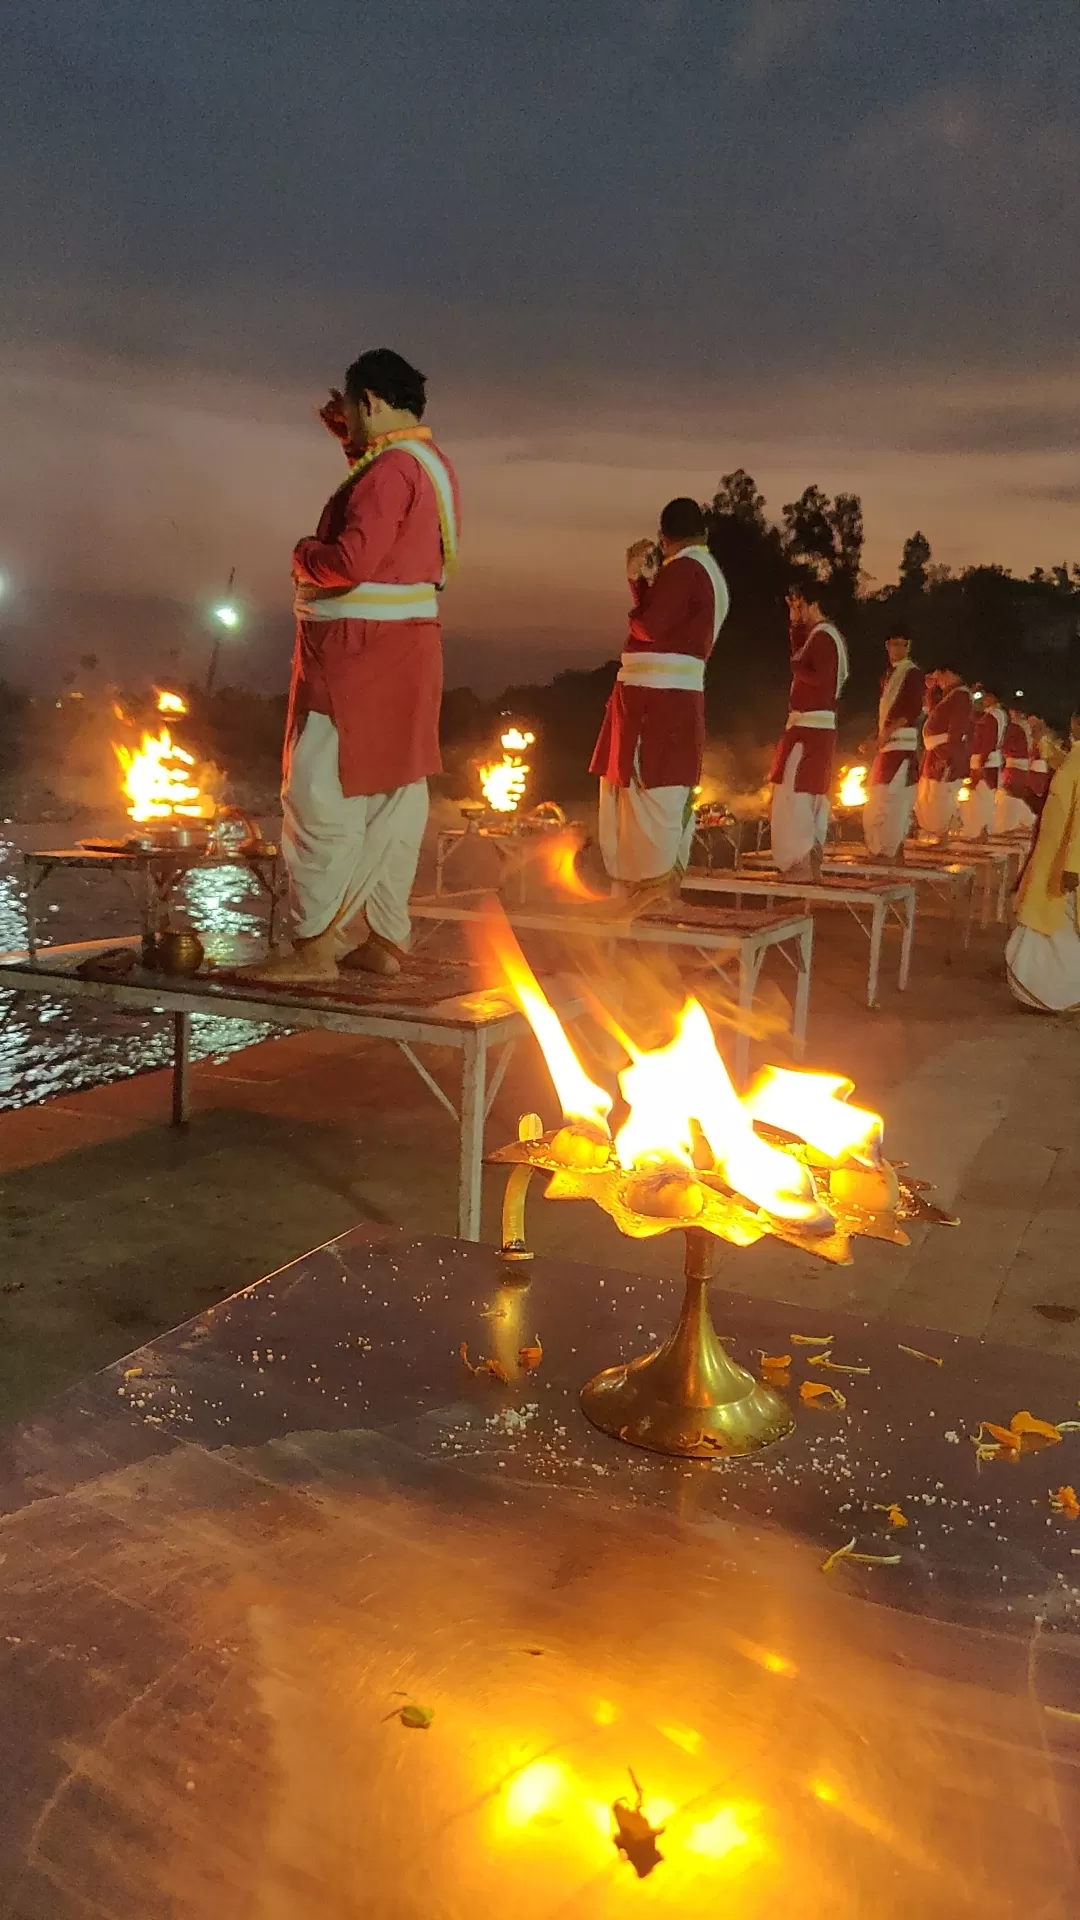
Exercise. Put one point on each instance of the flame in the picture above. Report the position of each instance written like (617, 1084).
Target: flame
(557, 855)
(502, 782)
(672, 1085)
(170, 702)
(157, 780)
(853, 787)
(815, 1107)
(964, 794)
(578, 1097)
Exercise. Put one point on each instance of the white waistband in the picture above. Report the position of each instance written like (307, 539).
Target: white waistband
(993, 759)
(904, 740)
(932, 740)
(1038, 766)
(672, 671)
(371, 600)
(820, 717)
(1018, 766)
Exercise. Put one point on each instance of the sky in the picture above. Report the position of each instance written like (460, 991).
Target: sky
(634, 244)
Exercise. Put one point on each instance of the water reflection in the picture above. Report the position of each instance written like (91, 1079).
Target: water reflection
(50, 1047)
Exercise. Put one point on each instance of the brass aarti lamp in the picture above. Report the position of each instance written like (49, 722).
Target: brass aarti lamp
(689, 1397)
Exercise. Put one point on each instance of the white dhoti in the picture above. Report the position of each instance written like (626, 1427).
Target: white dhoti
(645, 832)
(348, 855)
(935, 805)
(977, 812)
(887, 814)
(1044, 968)
(798, 821)
(1011, 813)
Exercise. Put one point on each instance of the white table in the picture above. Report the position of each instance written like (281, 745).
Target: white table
(870, 906)
(476, 1024)
(723, 937)
(953, 881)
(999, 862)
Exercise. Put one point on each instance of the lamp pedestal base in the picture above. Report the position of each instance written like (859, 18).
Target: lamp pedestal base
(689, 1398)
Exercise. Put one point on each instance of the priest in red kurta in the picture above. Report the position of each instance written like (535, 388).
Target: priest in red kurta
(362, 734)
(1014, 810)
(649, 752)
(977, 810)
(891, 796)
(946, 752)
(802, 770)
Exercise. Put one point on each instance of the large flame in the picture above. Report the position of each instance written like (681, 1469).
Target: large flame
(815, 1107)
(158, 780)
(579, 1098)
(170, 702)
(853, 787)
(502, 782)
(687, 1080)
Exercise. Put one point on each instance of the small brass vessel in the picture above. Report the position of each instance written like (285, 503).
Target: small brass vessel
(179, 951)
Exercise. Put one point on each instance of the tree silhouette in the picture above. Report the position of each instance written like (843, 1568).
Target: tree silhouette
(913, 563)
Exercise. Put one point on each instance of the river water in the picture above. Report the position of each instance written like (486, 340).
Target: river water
(50, 1047)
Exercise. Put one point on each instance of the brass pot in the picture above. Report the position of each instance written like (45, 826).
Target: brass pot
(179, 950)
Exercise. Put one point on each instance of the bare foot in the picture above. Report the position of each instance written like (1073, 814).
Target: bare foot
(376, 956)
(305, 961)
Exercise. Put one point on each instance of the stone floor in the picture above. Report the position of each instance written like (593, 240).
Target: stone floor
(113, 1227)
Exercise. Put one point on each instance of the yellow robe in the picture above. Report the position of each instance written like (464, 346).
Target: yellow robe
(1041, 901)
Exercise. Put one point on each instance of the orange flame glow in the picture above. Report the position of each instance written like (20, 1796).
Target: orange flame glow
(502, 782)
(556, 854)
(158, 781)
(170, 702)
(815, 1107)
(853, 787)
(688, 1080)
(579, 1098)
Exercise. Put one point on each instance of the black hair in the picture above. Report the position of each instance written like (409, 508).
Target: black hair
(385, 374)
(899, 632)
(683, 519)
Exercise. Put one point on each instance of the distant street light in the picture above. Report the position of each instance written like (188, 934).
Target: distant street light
(227, 615)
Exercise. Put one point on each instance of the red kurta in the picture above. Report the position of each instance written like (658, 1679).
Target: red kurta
(379, 680)
(951, 715)
(986, 741)
(901, 703)
(663, 726)
(818, 672)
(1016, 749)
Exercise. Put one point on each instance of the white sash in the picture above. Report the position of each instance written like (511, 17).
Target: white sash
(678, 671)
(721, 597)
(893, 683)
(816, 717)
(383, 600)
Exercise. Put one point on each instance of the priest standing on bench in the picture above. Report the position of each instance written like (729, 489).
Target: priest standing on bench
(362, 733)
(895, 769)
(649, 752)
(802, 771)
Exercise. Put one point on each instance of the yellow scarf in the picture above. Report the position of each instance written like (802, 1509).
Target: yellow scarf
(383, 443)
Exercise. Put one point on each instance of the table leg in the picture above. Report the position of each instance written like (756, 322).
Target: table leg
(747, 979)
(907, 940)
(969, 914)
(181, 1048)
(877, 927)
(31, 917)
(440, 862)
(805, 948)
(471, 1148)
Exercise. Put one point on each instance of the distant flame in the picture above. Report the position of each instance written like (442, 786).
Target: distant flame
(170, 702)
(815, 1107)
(853, 787)
(158, 782)
(502, 782)
(964, 794)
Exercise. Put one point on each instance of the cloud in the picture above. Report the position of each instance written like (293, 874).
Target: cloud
(771, 33)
